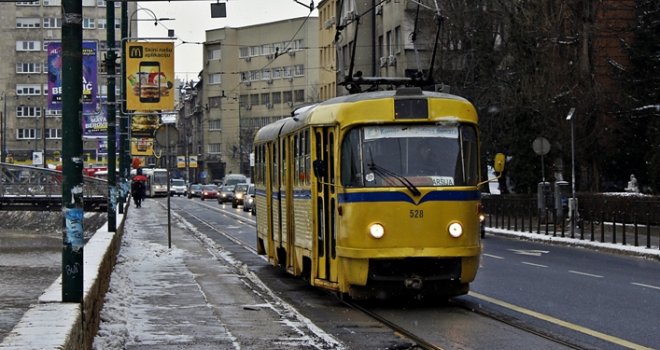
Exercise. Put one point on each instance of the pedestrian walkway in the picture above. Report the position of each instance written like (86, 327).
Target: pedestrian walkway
(190, 296)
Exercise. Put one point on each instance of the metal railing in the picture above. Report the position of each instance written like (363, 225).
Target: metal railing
(34, 188)
(636, 226)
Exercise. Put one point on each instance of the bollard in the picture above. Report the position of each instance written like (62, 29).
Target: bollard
(602, 227)
(613, 228)
(623, 223)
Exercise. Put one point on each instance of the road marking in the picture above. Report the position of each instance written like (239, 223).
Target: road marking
(493, 256)
(565, 324)
(584, 274)
(531, 252)
(645, 285)
(533, 264)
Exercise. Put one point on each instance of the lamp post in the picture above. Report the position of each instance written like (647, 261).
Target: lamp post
(572, 203)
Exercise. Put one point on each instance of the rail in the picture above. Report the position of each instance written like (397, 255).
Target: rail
(28, 188)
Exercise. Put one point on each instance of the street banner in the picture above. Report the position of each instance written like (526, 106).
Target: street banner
(150, 76)
(192, 161)
(180, 161)
(89, 83)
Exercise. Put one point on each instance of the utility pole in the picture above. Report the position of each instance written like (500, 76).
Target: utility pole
(112, 114)
(72, 157)
(124, 146)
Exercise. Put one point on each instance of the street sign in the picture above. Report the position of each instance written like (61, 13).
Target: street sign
(541, 146)
(167, 135)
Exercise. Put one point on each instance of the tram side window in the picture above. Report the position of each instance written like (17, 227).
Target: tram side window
(351, 162)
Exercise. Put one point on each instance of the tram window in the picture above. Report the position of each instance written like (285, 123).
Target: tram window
(351, 162)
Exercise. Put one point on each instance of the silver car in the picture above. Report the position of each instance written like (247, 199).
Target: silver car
(248, 202)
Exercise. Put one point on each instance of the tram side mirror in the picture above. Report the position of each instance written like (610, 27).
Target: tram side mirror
(498, 167)
(320, 168)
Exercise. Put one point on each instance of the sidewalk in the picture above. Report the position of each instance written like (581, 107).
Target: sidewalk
(191, 296)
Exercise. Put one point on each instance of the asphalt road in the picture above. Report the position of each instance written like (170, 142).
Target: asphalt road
(594, 299)
(615, 298)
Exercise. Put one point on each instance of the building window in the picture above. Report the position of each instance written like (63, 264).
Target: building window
(245, 76)
(214, 102)
(299, 70)
(255, 50)
(26, 134)
(28, 89)
(28, 22)
(244, 52)
(53, 133)
(28, 3)
(52, 22)
(277, 97)
(287, 71)
(287, 96)
(214, 78)
(277, 73)
(215, 125)
(397, 39)
(46, 42)
(27, 68)
(52, 2)
(214, 148)
(300, 95)
(243, 100)
(89, 23)
(89, 3)
(254, 99)
(265, 99)
(213, 54)
(28, 45)
(28, 111)
(265, 74)
(255, 75)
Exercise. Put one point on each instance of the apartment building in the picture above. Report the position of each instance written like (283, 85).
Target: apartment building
(252, 76)
(28, 125)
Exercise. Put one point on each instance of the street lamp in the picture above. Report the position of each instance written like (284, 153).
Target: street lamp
(153, 15)
(572, 203)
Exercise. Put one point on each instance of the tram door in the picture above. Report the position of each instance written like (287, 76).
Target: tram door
(326, 237)
(277, 185)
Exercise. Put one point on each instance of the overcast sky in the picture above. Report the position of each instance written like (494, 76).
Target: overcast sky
(193, 18)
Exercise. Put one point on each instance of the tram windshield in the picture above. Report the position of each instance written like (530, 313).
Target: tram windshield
(404, 155)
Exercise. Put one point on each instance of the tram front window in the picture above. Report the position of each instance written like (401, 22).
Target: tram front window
(428, 155)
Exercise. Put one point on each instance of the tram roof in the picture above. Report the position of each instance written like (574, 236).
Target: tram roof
(327, 112)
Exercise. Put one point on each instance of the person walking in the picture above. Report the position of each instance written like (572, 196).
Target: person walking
(138, 188)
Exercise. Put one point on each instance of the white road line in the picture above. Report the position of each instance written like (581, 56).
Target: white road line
(532, 264)
(645, 285)
(493, 256)
(585, 274)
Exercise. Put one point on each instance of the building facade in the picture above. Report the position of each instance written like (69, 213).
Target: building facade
(28, 125)
(252, 76)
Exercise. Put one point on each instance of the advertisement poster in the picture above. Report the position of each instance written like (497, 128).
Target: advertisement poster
(89, 83)
(95, 124)
(150, 76)
(180, 161)
(143, 127)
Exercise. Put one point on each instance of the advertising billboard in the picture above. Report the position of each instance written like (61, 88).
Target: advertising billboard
(150, 76)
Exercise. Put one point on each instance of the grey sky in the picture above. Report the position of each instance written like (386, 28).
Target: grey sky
(193, 18)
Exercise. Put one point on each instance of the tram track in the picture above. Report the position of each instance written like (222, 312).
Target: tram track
(419, 341)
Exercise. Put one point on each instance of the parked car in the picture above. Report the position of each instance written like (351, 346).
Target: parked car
(226, 194)
(195, 190)
(248, 202)
(178, 187)
(239, 194)
(209, 192)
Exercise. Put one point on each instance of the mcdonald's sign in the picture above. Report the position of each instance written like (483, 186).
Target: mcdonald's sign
(150, 76)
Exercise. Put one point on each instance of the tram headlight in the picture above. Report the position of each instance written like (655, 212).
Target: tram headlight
(455, 229)
(376, 231)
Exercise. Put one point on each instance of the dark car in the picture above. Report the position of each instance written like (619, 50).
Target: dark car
(248, 202)
(194, 190)
(239, 194)
(226, 194)
(209, 192)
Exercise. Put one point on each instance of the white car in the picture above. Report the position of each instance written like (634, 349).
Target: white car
(178, 187)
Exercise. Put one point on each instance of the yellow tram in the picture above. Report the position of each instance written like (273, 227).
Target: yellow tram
(373, 195)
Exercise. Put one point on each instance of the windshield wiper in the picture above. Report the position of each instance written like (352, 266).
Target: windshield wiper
(383, 172)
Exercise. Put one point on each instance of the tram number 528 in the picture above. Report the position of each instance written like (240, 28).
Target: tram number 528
(416, 214)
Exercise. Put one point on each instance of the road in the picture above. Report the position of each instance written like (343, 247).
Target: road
(592, 299)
